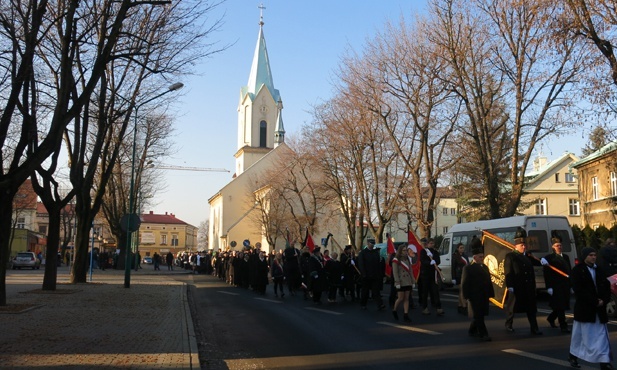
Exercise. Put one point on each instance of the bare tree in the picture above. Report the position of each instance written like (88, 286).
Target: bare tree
(39, 36)
(510, 75)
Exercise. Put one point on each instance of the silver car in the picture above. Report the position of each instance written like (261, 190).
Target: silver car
(26, 259)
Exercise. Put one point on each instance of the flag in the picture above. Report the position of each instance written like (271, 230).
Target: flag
(411, 239)
(390, 250)
(309, 241)
(495, 250)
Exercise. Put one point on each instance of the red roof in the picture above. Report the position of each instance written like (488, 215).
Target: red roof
(152, 218)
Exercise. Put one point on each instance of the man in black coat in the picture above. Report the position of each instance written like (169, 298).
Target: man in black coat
(556, 275)
(590, 340)
(477, 288)
(372, 272)
(521, 284)
(429, 278)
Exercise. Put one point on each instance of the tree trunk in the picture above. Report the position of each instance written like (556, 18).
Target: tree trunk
(53, 241)
(6, 212)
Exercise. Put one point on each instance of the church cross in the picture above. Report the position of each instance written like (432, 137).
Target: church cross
(261, 14)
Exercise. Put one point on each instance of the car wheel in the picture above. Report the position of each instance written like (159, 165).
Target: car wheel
(611, 307)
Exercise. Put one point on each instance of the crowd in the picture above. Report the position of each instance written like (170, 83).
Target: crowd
(360, 277)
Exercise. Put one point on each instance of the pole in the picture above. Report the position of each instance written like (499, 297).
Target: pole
(127, 259)
(91, 252)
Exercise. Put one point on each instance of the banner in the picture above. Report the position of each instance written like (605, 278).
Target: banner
(495, 250)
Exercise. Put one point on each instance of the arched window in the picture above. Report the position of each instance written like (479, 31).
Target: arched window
(263, 129)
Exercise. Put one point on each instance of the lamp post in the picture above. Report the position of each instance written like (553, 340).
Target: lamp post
(129, 232)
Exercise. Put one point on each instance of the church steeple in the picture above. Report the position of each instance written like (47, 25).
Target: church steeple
(261, 75)
(260, 124)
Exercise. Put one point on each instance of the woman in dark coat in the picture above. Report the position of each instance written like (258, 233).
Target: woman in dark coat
(478, 289)
(459, 261)
(557, 285)
(261, 270)
(317, 275)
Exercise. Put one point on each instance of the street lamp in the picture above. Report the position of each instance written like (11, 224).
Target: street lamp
(129, 232)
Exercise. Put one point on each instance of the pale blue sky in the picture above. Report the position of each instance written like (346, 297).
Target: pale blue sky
(305, 42)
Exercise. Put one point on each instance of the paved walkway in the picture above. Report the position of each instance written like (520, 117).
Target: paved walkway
(98, 325)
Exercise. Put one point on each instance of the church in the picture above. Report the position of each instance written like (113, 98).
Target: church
(261, 144)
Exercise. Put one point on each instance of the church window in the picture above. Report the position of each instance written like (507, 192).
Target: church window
(263, 128)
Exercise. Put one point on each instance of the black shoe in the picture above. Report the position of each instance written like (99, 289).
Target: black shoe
(395, 315)
(406, 318)
(574, 363)
(536, 332)
(382, 307)
(510, 329)
(565, 330)
(486, 338)
(606, 366)
(551, 323)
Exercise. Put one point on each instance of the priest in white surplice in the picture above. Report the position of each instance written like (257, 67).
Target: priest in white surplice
(589, 334)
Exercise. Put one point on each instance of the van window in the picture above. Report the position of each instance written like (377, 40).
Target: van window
(566, 243)
(444, 247)
(537, 241)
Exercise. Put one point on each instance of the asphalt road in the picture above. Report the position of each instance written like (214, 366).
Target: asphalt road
(239, 329)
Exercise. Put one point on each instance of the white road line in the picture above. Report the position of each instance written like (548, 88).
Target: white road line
(324, 311)
(268, 300)
(541, 358)
(410, 328)
(224, 292)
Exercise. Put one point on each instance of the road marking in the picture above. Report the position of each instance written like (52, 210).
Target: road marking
(410, 328)
(225, 292)
(324, 311)
(540, 358)
(268, 300)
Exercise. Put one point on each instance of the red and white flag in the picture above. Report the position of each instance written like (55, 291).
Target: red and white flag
(411, 239)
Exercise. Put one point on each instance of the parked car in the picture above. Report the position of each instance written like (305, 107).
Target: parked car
(147, 260)
(26, 259)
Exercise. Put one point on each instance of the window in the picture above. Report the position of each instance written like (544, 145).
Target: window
(541, 207)
(43, 229)
(445, 230)
(21, 223)
(574, 207)
(444, 211)
(263, 128)
(557, 177)
(174, 240)
(570, 177)
(163, 239)
(453, 211)
(594, 188)
(613, 184)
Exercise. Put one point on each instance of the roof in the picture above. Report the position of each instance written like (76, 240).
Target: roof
(606, 149)
(167, 218)
(550, 166)
(261, 75)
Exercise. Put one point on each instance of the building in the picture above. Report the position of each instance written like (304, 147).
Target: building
(597, 187)
(552, 189)
(260, 144)
(162, 233)
(26, 235)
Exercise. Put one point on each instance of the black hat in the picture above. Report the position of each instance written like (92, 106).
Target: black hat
(347, 247)
(317, 249)
(476, 246)
(585, 252)
(520, 236)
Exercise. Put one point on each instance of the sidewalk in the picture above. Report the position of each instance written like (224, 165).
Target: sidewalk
(98, 325)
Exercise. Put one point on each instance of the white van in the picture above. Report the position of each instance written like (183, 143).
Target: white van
(540, 230)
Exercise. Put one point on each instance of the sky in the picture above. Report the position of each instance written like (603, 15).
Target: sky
(305, 42)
